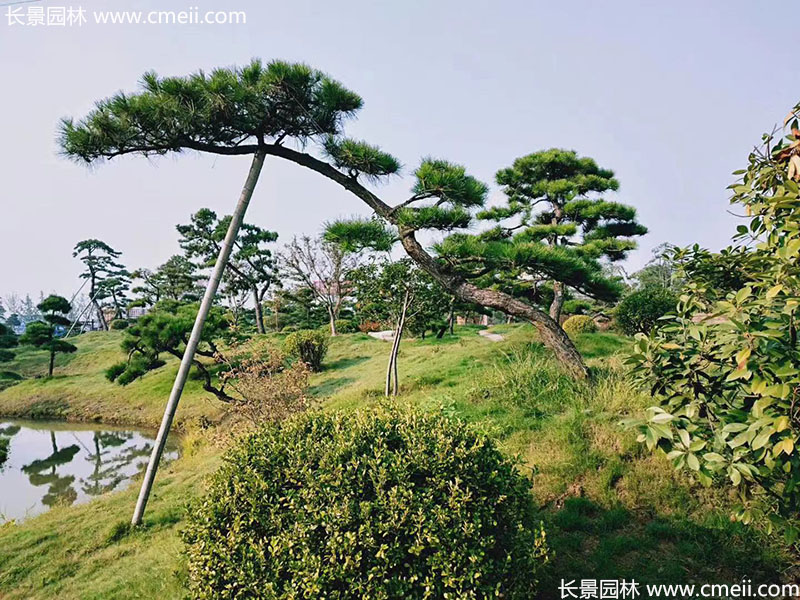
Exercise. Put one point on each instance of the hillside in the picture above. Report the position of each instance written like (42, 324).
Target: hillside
(610, 510)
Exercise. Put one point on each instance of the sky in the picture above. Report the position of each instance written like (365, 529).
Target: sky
(670, 95)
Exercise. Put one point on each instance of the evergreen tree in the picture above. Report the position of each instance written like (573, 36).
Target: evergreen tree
(251, 265)
(554, 228)
(100, 264)
(7, 340)
(43, 334)
(177, 279)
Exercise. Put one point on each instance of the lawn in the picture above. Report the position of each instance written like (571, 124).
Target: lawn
(610, 509)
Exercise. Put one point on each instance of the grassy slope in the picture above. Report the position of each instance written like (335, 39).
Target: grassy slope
(610, 510)
(79, 390)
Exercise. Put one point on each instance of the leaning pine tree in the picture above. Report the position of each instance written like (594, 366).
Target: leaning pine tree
(264, 110)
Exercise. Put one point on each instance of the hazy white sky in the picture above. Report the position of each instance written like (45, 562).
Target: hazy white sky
(671, 95)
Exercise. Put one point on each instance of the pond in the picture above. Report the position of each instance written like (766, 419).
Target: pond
(44, 464)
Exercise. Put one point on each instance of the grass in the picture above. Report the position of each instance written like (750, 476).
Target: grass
(610, 509)
(79, 391)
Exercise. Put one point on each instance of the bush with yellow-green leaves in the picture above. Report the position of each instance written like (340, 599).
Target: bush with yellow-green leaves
(375, 505)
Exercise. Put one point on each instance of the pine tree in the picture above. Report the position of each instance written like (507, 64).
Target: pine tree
(43, 334)
(100, 265)
(251, 266)
(555, 227)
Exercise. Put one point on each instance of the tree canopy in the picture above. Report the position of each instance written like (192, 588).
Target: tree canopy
(44, 334)
(251, 266)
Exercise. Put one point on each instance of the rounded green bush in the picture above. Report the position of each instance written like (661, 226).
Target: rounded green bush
(345, 326)
(119, 324)
(309, 345)
(373, 505)
(639, 311)
(579, 324)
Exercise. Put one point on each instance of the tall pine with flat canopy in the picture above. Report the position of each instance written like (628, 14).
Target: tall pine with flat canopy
(554, 228)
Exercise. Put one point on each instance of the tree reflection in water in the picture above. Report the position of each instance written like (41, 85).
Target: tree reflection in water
(6, 433)
(109, 467)
(43, 472)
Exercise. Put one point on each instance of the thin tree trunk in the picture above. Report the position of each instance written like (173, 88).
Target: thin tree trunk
(387, 389)
(558, 301)
(332, 318)
(259, 313)
(398, 335)
(52, 362)
(197, 330)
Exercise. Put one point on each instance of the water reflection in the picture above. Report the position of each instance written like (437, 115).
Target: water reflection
(48, 464)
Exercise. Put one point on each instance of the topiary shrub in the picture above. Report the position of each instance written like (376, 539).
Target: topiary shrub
(309, 345)
(119, 324)
(639, 311)
(579, 324)
(367, 505)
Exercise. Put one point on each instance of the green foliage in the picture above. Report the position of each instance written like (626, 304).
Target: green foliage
(577, 307)
(109, 281)
(640, 310)
(118, 324)
(115, 370)
(165, 330)
(372, 505)
(725, 369)
(357, 234)
(380, 290)
(360, 158)
(42, 334)
(309, 346)
(554, 229)
(251, 266)
(577, 324)
(209, 111)
(7, 340)
(346, 326)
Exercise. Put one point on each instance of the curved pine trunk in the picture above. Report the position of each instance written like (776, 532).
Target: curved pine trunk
(551, 333)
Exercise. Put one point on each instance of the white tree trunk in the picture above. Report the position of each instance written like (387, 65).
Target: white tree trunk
(197, 330)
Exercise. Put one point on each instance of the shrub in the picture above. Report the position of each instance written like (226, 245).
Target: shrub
(268, 390)
(370, 505)
(119, 324)
(640, 310)
(723, 370)
(309, 345)
(345, 326)
(116, 370)
(367, 326)
(579, 324)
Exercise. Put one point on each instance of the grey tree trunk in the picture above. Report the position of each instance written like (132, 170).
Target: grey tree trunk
(197, 330)
(558, 301)
(259, 312)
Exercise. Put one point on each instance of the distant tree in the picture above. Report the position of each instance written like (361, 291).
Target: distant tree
(29, 311)
(251, 265)
(2, 311)
(42, 334)
(401, 295)
(14, 321)
(7, 340)
(100, 263)
(322, 268)
(660, 271)
(115, 289)
(177, 279)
